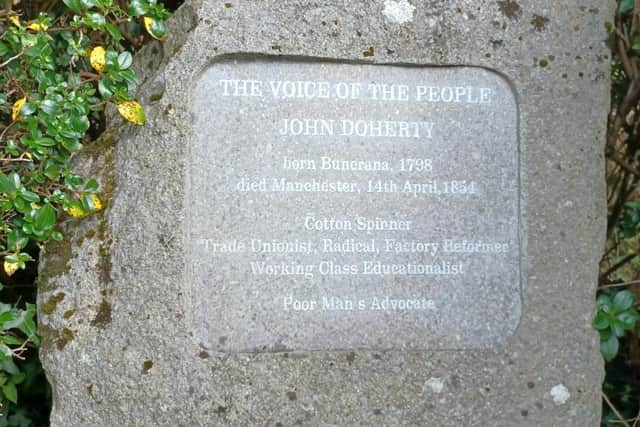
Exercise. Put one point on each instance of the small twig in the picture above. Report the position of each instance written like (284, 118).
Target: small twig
(618, 265)
(615, 411)
(11, 59)
(619, 285)
(636, 420)
(624, 59)
(5, 130)
(615, 157)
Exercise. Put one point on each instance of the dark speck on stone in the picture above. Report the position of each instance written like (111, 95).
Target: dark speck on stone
(369, 52)
(510, 9)
(531, 384)
(539, 22)
(377, 411)
(228, 5)
(455, 381)
(292, 395)
(148, 364)
(203, 355)
(524, 412)
(351, 357)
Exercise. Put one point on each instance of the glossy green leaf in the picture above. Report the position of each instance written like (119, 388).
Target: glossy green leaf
(609, 347)
(124, 60)
(626, 6)
(75, 5)
(623, 300)
(10, 392)
(45, 218)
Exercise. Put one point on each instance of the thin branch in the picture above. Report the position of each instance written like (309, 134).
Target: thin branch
(5, 63)
(619, 285)
(615, 157)
(618, 265)
(637, 420)
(5, 130)
(615, 411)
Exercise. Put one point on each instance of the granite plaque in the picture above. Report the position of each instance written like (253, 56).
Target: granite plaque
(350, 206)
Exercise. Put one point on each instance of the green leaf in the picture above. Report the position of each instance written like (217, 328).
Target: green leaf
(95, 20)
(618, 328)
(124, 60)
(623, 300)
(5, 353)
(10, 392)
(87, 203)
(113, 31)
(601, 321)
(16, 240)
(16, 321)
(18, 379)
(91, 186)
(79, 123)
(609, 348)
(30, 196)
(157, 29)
(138, 7)
(22, 205)
(28, 326)
(15, 178)
(7, 316)
(49, 106)
(9, 366)
(628, 319)
(6, 184)
(626, 6)
(27, 109)
(46, 142)
(105, 87)
(45, 218)
(75, 5)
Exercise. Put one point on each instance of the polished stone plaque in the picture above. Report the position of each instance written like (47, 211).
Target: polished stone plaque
(348, 206)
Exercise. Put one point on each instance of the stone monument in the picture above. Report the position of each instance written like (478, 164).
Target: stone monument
(343, 213)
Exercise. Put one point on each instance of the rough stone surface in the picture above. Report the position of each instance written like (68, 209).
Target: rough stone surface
(120, 348)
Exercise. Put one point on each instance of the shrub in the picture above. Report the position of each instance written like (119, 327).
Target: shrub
(61, 64)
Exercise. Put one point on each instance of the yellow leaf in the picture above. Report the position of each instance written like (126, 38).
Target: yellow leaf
(98, 58)
(132, 111)
(10, 268)
(76, 212)
(37, 27)
(97, 204)
(15, 111)
(148, 25)
(15, 20)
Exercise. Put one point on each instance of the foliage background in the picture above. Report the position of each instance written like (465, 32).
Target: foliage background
(61, 64)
